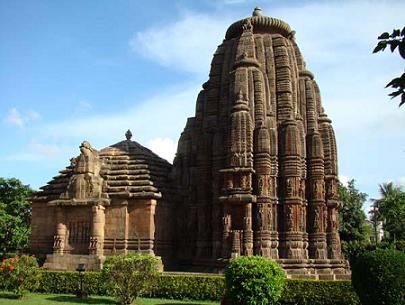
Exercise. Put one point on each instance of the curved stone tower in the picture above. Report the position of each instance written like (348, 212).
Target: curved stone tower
(256, 167)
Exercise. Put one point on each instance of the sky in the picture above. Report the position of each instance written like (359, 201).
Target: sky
(89, 70)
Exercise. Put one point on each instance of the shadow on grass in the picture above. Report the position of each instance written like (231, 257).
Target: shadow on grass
(89, 300)
(8, 295)
(179, 304)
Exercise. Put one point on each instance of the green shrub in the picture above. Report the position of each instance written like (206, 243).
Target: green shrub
(311, 292)
(130, 275)
(253, 280)
(188, 286)
(68, 281)
(19, 274)
(379, 277)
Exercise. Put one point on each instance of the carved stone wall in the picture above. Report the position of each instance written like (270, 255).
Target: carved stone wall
(256, 167)
(255, 174)
(105, 203)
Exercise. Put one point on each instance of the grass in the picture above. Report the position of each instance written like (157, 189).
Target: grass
(64, 299)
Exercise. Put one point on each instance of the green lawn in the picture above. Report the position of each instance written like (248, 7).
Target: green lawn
(64, 299)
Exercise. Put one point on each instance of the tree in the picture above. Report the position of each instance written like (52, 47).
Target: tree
(15, 215)
(390, 209)
(354, 230)
(130, 275)
(378, 277)
(396, 41)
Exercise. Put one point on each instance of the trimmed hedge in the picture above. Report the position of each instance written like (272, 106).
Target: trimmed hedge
(309, 292)
(67, 282)
(185, 286)
(206, 287)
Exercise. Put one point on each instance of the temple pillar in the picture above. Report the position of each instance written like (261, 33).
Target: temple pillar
(247, 230)
(317, 206)
(332, 233)
(291, 194)
(226, 233)
(97, 231)
(61, 230)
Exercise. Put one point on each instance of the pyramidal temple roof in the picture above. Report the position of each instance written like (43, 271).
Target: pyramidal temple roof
(127, 168)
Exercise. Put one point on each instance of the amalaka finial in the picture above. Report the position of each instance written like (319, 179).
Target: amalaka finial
(257, 11)
(128, 135)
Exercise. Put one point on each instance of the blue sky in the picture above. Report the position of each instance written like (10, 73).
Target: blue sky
(89, 70)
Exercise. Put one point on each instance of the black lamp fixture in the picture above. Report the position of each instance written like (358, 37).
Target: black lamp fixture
(81, 293)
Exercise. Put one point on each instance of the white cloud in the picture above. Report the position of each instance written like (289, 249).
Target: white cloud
(164, 147)
(185, 45)
(32, 116)
(83, 107)
(44, 149)
(401, 181)
(162, 116)
(39, 151)
(15, 118)
(344, 180)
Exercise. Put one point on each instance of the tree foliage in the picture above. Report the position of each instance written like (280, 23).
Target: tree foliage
(396, 41)
(253, 280)
(15, 215)
(130, 275)
(390, 210)
(354, 230)
(379, 277)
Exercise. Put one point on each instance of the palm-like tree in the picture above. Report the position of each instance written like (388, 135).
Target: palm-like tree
(390, 210)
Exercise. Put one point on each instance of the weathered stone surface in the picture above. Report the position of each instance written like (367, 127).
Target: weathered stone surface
(112, 201)
(255, 174)
(256, 168)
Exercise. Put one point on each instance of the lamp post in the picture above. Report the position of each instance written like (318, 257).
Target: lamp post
(80, 293)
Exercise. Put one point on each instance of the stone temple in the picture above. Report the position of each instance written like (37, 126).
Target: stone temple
(255, 174)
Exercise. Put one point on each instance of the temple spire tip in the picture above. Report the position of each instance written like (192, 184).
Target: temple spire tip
(257, 12)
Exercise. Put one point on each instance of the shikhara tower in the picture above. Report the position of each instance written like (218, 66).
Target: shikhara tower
(256, 167)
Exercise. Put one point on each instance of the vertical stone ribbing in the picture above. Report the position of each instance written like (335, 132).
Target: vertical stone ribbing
(316, 200)
(270, 175)
(283, 79)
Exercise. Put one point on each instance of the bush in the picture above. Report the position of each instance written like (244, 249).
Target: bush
(379, 277)
(19, 274)
(190, 286)
(311, 292)
(252, 280)
(68, 281)
(130, 275)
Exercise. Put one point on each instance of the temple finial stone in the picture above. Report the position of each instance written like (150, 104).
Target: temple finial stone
(257, 12)
(128, 135)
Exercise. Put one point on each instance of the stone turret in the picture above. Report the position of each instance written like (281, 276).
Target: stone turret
(256, 168)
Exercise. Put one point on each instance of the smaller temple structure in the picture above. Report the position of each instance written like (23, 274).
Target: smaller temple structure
(106, 202)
